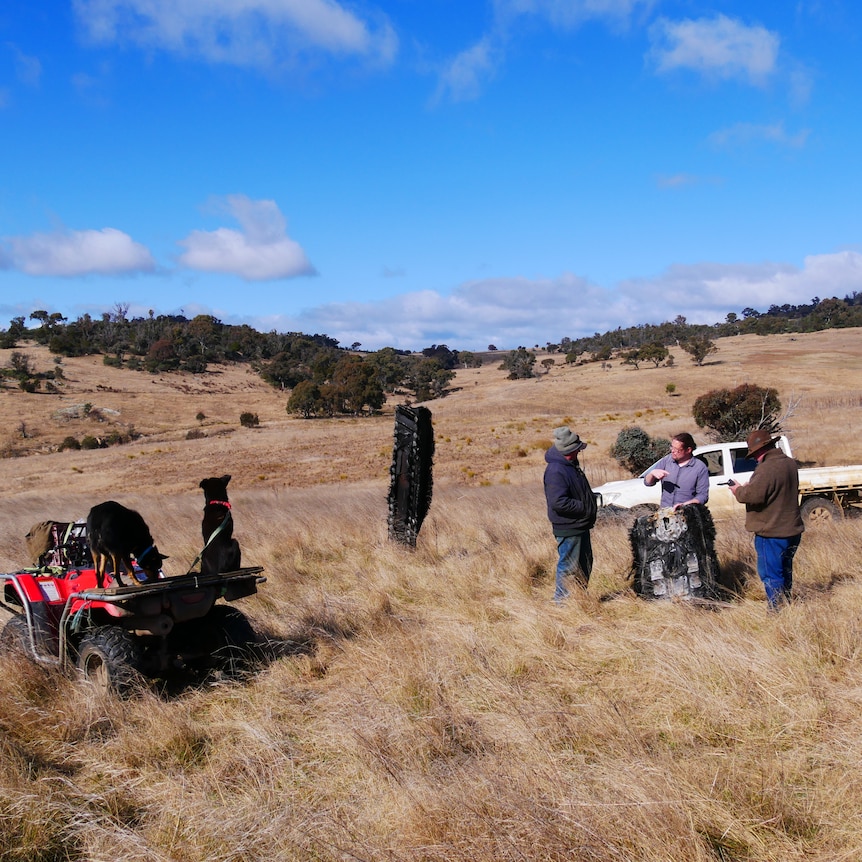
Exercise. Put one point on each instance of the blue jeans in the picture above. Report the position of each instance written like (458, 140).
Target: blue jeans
(576, 558)
(775, 567)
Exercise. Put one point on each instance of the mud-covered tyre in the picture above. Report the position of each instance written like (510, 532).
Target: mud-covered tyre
(819, 510)
(411, 473)
(15, 637)
(110, 658)
(642, 509)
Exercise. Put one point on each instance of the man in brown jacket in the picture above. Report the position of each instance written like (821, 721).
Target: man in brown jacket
(771, 500)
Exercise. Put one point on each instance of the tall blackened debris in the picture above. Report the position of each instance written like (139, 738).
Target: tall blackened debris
(674, 555)
(411, 474)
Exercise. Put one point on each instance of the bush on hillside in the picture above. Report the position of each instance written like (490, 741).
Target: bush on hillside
(635, 450)
(732, 414)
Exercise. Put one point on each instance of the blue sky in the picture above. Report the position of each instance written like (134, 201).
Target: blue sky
(417, 172)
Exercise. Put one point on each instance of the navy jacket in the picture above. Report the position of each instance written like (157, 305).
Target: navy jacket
(571, 502)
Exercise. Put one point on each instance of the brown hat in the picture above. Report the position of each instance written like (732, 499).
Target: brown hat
(566, 441)
(757, 440)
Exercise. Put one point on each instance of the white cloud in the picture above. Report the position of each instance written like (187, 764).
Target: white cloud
(719, 47)
(510, 312)
(570, 13)
(503, 311)
(260, 251)
(464, 76)
(257, 33)
(705, 293)
(679, 181)
(742, 134)
(77, 252)
(28, 70)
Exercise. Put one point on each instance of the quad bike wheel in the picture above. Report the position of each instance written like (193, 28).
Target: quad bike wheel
(110, 658)
(15, 636)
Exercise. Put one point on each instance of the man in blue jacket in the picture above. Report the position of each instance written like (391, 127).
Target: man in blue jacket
(571, 510)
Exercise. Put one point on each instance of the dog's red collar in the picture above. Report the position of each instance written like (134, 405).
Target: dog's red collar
(219, 503)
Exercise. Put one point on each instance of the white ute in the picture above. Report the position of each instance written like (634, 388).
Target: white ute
(824, 492)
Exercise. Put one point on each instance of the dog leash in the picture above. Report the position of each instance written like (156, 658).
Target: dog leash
(215, 532)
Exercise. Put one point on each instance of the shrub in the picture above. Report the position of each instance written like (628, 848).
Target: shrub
(194, 364)
(69, 443)
(732, 414)
(116, 438)
(90, 442)
(249, 420)
(305, 399)
(195, 434)
(699, 347)
(519, 363)
(635, 450)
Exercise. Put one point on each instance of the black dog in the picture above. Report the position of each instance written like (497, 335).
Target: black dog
(221, 551)
(118, 534)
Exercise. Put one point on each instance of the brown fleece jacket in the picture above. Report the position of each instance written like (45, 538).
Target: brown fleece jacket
(771, 497)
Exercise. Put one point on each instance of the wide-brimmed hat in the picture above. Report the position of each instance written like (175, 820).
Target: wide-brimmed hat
(757, 440)
(566, 441)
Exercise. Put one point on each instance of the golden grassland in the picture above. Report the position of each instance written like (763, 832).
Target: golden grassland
(436, 704)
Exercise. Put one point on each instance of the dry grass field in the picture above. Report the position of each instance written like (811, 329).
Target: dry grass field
(435, 704)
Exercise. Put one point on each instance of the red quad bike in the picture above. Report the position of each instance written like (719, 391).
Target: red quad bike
(119, 636)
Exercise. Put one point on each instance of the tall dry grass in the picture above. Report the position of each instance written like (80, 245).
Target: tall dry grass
(437, 705)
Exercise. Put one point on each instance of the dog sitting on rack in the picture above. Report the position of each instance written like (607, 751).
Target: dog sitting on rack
(117, 534)
(221, 551)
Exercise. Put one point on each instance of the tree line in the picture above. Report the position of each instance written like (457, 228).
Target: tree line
(818, 314)
(326, 379)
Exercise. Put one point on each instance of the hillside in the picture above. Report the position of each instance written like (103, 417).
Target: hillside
(435, 705)
(489, 430)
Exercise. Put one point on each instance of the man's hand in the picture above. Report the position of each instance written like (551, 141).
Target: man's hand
(658, 475)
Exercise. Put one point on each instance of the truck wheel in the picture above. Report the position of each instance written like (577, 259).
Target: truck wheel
(15, 636)
(819, 510)
(110, 658)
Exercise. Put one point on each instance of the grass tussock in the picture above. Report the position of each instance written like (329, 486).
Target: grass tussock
(434, 704)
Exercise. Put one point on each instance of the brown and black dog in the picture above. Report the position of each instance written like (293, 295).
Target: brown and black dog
(221, 552)
(117, 534)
